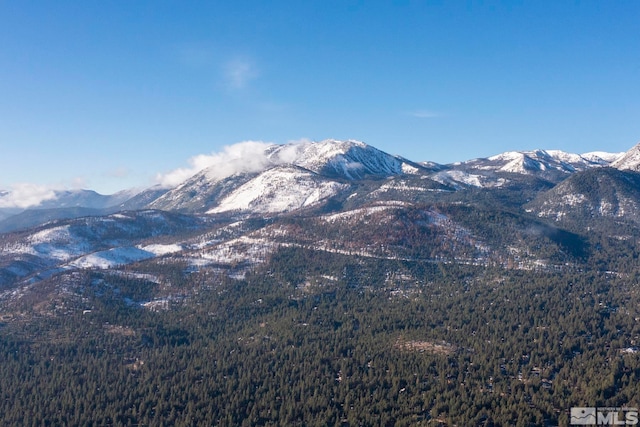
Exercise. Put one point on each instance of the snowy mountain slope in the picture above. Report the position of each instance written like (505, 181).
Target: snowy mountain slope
(602, 157)
(402, 188)
(460, 179)
(60, 243)
(397, 230)
(111, 258)
(538, 161)
(346, 159)
(199, 193)
(140, 199)
(591, 195)
(629, 160)
(280, 189)
(501, 169)
(122, 255)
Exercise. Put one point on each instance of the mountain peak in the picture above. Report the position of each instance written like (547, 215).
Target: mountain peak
(536, 161)
(242, 183)
(349, 159)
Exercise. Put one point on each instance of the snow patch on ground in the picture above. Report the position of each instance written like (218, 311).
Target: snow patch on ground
(111, 258)
(52, 234)
(399, 186)
(356, 213)
(573, 199)
(157, 305)
(242, 250)
(410, 170)
(159, 250)
(456, 177)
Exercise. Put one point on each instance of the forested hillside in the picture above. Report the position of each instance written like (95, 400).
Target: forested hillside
(315, 339)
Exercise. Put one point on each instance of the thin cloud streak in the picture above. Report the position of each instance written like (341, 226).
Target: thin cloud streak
(425, 114)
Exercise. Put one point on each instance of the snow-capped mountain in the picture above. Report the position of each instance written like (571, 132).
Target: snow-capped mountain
(337, 243)
(333, 196)
(499, 170)
(345, 159)
(211, 190)
(285, 177)
(544, 162)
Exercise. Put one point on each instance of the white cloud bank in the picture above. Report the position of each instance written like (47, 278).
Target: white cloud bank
(243, 157)
(247, 156)
(25, 195)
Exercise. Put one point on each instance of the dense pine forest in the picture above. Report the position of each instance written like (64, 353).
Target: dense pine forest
(315, 338)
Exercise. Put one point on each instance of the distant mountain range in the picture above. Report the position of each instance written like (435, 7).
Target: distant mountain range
(315, 171)
(527, 209)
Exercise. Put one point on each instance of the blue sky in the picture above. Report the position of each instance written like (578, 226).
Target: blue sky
(108, 94)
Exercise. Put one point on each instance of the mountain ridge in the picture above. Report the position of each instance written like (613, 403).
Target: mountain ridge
(343, 178)
(350, 160)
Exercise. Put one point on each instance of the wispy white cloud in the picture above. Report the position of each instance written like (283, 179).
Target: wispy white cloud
(234, 71)
(425, 114)
(239, 72)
